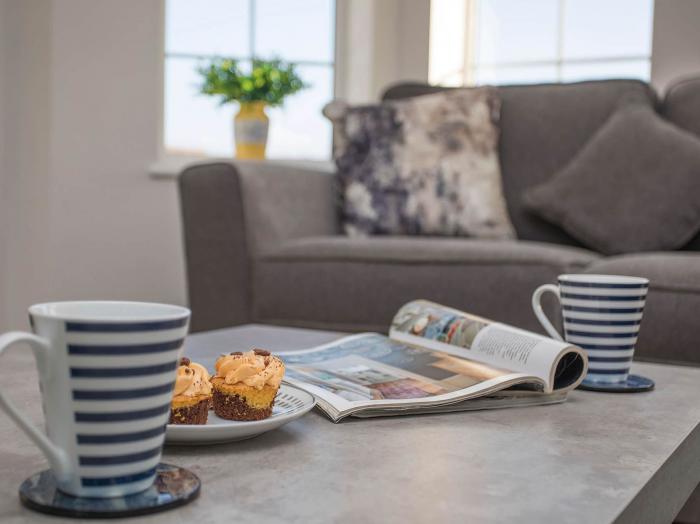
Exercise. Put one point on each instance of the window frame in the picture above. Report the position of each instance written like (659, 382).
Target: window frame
(165, 155)
(468, 72)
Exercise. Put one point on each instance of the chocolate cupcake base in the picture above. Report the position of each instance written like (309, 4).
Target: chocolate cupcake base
(193, 414)
(235, 407)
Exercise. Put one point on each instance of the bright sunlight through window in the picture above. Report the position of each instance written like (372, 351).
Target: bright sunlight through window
(516, 42)
(299, 31)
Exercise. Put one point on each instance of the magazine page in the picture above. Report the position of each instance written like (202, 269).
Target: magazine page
(422, 323)
(496, 400)
(371, 370)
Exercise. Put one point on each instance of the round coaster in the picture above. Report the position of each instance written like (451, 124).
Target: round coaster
(633, 384)
(173, 487)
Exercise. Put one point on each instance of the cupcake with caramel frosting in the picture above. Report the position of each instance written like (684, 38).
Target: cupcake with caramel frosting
(246, 384)
(192, 394)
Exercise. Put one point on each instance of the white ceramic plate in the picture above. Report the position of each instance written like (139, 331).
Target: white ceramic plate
(291, 403)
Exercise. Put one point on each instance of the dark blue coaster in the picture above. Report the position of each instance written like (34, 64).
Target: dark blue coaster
(633, 384)
(173, 487)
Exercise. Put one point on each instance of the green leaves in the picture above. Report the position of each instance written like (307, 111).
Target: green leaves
(269, 81)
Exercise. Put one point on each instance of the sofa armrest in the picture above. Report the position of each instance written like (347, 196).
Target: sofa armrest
(231, 213)
(215, 246)
(283, 201)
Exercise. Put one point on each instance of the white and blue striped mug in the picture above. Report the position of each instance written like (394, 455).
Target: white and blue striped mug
(106, 375)
(602, 315)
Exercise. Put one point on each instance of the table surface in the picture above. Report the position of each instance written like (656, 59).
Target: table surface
(597, 458)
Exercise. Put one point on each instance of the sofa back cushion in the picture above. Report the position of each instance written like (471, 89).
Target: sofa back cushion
(633, 187)
(681, 106)
(542, 128)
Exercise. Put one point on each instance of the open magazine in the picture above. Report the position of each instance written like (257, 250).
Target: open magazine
(436, 359)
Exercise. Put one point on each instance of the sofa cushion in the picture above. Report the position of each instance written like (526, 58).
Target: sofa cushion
(426, 166)
(633, 187)
(352, 284)
(670, 328)
(542, 128)
(681, 106)
(418, 250)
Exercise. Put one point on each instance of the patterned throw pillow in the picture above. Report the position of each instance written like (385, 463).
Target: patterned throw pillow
(422, 166)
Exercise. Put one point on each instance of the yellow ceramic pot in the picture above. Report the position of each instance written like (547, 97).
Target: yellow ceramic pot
(250, 129)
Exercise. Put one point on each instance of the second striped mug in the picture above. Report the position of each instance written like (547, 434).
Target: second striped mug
(602, 315)
(106, 374)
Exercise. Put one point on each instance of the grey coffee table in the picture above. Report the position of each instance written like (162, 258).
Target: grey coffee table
(598, 458)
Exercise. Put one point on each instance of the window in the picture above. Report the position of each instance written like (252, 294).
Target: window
(516, 42)
(300, 31)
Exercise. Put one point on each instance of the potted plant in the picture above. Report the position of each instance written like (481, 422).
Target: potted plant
(268, 84)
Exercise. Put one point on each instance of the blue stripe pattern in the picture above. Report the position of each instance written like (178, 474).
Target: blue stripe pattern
(114, 460)
(121, 394)
(603, 322)
(619, 371)
(608, 359)
(598, 285)
(116, 396)
(137, 349)
(603, 298)
(599, 327)
(596, 334)
(123, 327)
(604, 346)
(122, 372)
(121, 416)
(92, 482)
(120, 438)
(582, 309)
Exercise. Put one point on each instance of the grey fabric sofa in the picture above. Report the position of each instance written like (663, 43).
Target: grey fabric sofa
(264, 245)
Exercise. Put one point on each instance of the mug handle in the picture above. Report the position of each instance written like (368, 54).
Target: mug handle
(539, 312)
(41, 348)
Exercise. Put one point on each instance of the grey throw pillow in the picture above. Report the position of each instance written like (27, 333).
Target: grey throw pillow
(635, 186)
(423, 166)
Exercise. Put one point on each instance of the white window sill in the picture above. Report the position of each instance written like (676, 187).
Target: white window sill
(170, 166)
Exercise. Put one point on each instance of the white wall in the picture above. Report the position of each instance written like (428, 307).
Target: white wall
(676, 44)
(24, 148)
(5, 164)
(380, 43)
(85, 221)
(115, 232)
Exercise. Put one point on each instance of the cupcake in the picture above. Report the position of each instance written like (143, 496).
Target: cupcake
(246, 384)
(192, 394)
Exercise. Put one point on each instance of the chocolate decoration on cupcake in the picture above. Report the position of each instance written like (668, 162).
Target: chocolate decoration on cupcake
(245, 385)
(192, 394)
